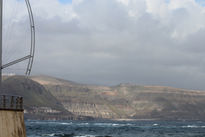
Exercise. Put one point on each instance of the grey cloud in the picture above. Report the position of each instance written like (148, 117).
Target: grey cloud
(109, 43)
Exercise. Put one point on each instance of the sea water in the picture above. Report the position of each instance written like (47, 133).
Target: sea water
(115, 129)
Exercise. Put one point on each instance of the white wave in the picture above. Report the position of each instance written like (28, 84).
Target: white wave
(106, 124)
(66, 123)
(112, 124)
(49, 135)
(117, 124)
(83, 124)
(49, 122)
(193, 126)
(52, 134)
(42, 122)
(155, 124)
(129, 124)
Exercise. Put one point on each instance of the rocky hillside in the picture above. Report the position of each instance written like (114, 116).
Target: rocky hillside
(126, 101)
(38, 102)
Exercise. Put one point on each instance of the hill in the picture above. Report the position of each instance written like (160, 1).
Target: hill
(126, 101)
(38, 102)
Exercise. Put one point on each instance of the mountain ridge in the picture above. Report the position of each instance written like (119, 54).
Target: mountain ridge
(39, 103)
(129, 101)
(53, 98)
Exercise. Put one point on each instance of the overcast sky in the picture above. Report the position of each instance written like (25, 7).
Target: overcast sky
(107, 42)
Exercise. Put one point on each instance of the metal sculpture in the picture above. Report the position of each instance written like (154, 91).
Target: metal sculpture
(30, 56)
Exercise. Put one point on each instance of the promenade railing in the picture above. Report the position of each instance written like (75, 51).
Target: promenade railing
(10, 102)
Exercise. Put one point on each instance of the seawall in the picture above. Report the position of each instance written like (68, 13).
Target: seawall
(11, 116)
(12, 123)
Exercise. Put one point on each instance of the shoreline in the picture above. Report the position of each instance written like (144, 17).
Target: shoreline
(134, 119)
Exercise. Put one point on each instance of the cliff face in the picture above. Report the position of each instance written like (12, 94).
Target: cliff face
(126, 101)
(94, 101)
(38, 102)
(52, 98)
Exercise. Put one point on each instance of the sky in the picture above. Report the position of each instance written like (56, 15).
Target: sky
(108, 42)
(65, 1)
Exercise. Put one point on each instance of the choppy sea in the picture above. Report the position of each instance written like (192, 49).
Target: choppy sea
(115, 129)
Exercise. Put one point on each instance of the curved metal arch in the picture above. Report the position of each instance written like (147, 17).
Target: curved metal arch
(30, 57)
(32, 50)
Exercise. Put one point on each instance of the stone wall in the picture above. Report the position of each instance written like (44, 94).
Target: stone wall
(12, 124)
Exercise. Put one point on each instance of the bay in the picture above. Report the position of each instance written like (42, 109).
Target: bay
(115, 128)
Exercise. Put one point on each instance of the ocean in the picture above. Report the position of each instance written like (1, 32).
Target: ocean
(115, 129)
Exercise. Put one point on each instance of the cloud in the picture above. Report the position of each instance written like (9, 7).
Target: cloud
(108, 42)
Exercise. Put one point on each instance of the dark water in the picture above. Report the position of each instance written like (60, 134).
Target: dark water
(114, 129)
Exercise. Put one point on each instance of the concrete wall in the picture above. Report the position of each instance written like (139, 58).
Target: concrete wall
(12, 124)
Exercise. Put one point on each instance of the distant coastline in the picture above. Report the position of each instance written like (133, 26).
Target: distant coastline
(49, 98)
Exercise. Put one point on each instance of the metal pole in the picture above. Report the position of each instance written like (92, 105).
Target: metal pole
(1, 37)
